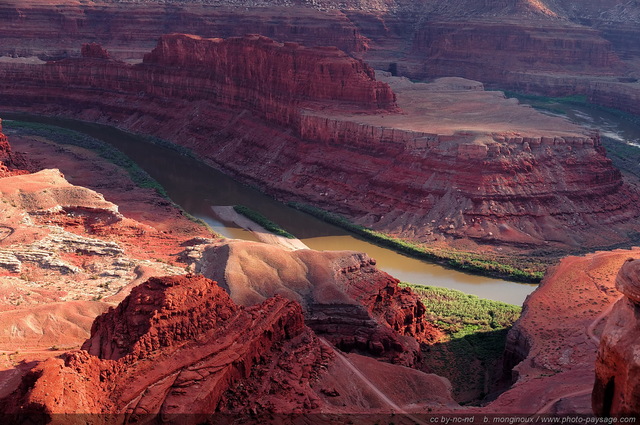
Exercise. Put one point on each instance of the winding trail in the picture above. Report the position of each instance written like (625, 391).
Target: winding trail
(590, 333)
(600, 317)
(367, 383)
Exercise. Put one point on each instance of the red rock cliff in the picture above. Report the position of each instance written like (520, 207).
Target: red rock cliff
(270, 79)
(10, 163)
(297, 129)
(257, 73)
(617, 388)
(174, 345)
(185, 352)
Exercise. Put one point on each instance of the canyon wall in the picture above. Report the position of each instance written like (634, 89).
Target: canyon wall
(252, 72)
(552, 349)
(129, 30)
(257, 73)
(501, 43)
(617, 390)
(306, 127)
(486, 51)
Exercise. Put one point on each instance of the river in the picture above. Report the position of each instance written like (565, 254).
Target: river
(197, 187)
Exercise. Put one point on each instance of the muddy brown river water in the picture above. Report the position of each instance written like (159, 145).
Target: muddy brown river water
(197, 187)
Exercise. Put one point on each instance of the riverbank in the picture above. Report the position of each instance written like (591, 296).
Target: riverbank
(74, 139)
(229, 213)
(189, 182)
(468, 262)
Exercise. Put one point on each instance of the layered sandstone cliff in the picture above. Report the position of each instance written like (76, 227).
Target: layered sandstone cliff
(617, 391)
(426, 39)
(314, 125)
(260, 74)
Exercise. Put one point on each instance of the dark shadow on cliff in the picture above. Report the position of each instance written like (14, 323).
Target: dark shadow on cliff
(473, 364)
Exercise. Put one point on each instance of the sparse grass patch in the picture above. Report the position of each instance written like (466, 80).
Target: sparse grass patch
(262, 221)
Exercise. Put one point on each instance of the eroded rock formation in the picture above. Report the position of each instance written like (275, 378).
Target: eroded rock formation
(552, 347)
(259, 74)
(179, 347)
(345, 298)
(65, 251)
(10, 164)
(314, 125)
(617, 388)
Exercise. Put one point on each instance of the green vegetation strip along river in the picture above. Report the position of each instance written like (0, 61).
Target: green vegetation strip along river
(456, 260)
(196, 187)
(475, 335)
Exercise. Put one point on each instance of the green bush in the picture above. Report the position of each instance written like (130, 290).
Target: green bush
(461, 314)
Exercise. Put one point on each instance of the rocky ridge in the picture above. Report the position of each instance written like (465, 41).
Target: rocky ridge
(188, 351)
(551, 350)
(418, 40)
(345, 298)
